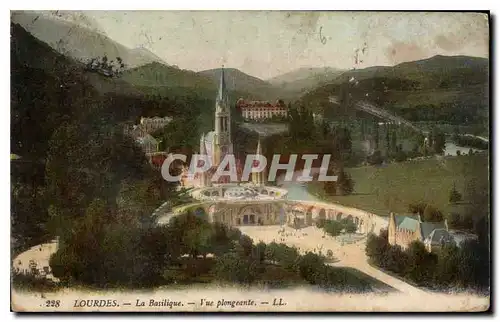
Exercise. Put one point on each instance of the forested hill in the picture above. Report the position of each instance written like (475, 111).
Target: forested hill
(48, 89)
(162, 79)
(240, 82)
(441, 88)
(73, 152)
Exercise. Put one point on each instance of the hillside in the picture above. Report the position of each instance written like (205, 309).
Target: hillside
(48, 89)
(162, 79)
(77, 41)
(303, 79)
(159, 75)
(427, 181)
(45, 87)
(441, 88)
(238, 81)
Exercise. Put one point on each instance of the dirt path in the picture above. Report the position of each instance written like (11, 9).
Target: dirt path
(348, 255)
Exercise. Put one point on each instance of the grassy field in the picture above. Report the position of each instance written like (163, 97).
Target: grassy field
(392, 187)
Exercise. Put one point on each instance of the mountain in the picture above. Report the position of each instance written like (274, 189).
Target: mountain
(430, 72)
(305, 78)
(33, 53)
(440, 88)
(49, 89)
(238, 81)
(78, 41)
(156, 74)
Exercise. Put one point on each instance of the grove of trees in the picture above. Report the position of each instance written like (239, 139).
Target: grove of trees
(105, 252)
(464, 266)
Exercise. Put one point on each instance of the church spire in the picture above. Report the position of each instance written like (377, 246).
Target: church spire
(222, 86)
(259, 149)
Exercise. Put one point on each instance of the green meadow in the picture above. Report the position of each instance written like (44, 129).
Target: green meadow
(382, 189)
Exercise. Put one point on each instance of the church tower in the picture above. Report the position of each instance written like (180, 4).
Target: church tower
(258, 178)
(222, 137)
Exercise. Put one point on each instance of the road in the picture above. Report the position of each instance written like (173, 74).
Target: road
(346, 255)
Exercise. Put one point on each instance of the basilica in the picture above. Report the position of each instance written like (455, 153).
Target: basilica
(217, 144)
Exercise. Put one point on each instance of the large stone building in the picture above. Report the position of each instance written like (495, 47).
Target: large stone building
(404, 229)
(260, 110)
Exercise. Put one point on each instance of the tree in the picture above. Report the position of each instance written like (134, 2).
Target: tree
(231, 267)
(446, 272)
(350, 227)
(438, 141)
(474, 265)
(247, 245)
(102, 252)
(455, 196)
(421, 263)
(396, 259)
(342, 141)
(105, 67)
(259, 251)
(417, 208)
(333, 227)
(320, 223)
(345, 183)
(432, 214)
(330, 188)
(193, 235)
(309, 266)
(375, 248)
(282, 254)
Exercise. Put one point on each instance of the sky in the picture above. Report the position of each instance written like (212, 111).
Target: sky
(269, 43)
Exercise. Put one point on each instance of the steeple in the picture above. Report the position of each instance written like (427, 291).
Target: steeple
(222, 131)
(259, 149)
(221, 95)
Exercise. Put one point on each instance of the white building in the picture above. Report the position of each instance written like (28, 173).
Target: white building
(260, 110)
(151, 124)
(148, 144)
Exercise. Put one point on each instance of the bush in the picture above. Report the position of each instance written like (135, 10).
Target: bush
(455, 196)
(376, 248)
(320, 223)
(32, 283)
(350, 227)
(432, 214)
(333, 227)
(376, 158)
(231, 267)
(345, 183)
(310, 266)
(421, 264)
(282, 254)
